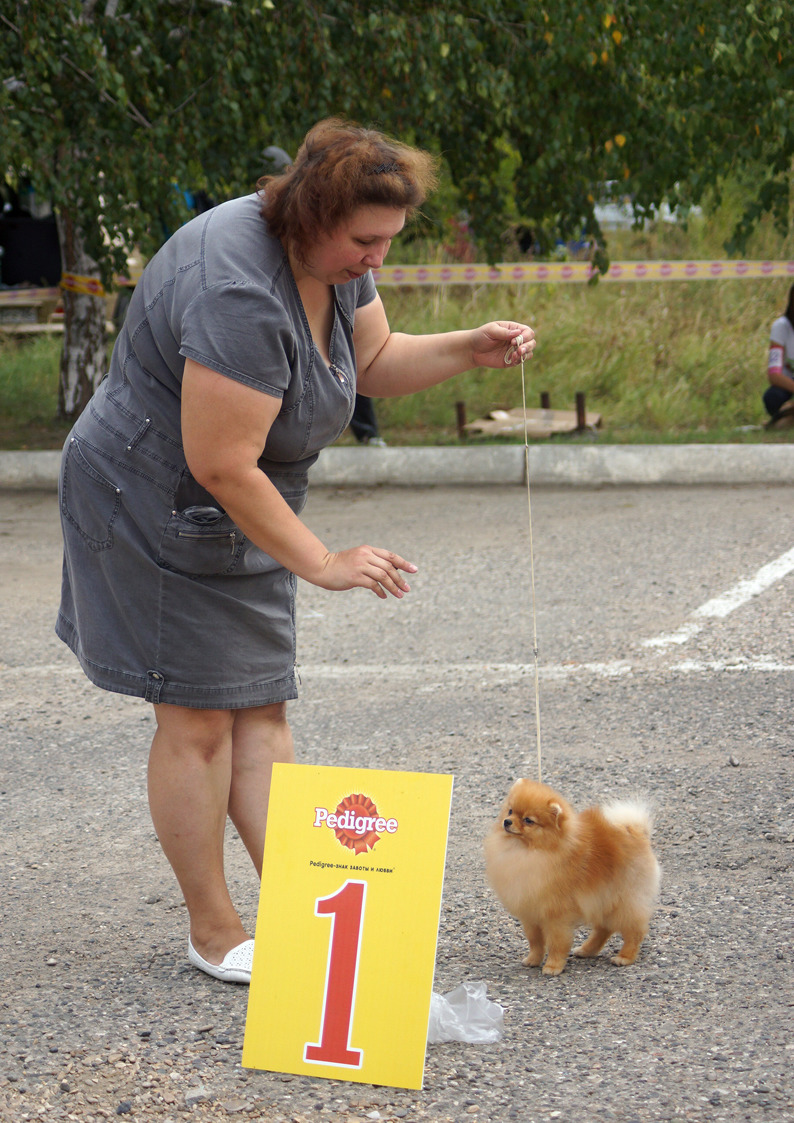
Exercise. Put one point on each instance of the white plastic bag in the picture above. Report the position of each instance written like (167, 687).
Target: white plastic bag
(465, 1014)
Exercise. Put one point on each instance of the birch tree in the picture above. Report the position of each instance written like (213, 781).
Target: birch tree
(111, 109)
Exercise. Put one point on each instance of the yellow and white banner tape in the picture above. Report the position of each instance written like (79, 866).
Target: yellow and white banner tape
(521, 273)
(578, 271)
(83, 286)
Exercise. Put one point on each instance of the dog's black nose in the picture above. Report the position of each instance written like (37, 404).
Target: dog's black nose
(507, 824)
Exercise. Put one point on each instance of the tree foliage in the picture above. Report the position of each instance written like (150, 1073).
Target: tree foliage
(111, 107)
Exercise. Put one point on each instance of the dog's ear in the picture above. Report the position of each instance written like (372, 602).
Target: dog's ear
(557, 812)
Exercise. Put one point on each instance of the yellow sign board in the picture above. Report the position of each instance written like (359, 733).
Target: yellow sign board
(348, 923)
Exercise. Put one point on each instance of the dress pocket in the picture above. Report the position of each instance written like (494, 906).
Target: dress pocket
(200, 541)
(89, 501)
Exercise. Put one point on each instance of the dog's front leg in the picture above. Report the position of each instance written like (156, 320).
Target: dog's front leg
(537, 945)
(559, 939)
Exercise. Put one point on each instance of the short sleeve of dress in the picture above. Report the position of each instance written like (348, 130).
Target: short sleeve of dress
(240, 330)
(366, 292)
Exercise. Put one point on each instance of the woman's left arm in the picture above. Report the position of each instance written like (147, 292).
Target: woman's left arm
(393, 363)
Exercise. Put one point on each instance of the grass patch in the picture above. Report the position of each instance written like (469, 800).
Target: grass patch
(658, 361)
(29, 393)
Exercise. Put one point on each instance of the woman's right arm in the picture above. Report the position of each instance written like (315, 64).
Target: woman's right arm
(224, 429)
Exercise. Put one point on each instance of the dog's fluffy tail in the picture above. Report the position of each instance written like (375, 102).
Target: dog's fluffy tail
(630, 813)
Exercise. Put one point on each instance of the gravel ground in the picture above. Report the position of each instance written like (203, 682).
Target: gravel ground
(101, 1013)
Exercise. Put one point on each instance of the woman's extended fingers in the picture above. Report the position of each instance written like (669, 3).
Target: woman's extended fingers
(368, 567)
(388, 573)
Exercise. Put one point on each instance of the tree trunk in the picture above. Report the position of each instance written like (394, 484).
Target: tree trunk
(84, 354)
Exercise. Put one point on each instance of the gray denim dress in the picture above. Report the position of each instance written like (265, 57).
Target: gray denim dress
(163, 596)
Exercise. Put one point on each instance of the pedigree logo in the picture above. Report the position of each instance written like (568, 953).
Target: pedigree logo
(355, 822)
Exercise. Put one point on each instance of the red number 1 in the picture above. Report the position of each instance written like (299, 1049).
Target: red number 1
(346, 907)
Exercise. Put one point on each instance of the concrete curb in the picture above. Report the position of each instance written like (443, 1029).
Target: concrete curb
(559, 465)
(29, 470)
(549, 465)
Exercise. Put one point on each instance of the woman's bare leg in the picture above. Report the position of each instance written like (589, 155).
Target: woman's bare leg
(189, 778)
(261, 738)
(205, 764)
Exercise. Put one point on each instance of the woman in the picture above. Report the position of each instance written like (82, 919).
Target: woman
(250, 330)
(780, 368)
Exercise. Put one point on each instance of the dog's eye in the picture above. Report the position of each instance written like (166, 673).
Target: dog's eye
(529, 822)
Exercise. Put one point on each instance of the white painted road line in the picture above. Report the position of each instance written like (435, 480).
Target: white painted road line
(748, 588)
(435, 675)
(483, 672)
(721, 606)
(684, 633)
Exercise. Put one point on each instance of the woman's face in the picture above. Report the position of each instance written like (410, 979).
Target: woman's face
(355, 246)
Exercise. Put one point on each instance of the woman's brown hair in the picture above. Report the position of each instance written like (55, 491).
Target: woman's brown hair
(339, 168)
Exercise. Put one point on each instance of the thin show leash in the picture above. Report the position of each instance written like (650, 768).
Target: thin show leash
(515, 346)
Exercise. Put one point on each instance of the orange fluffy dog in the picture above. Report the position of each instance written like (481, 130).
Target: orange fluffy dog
(556, 869)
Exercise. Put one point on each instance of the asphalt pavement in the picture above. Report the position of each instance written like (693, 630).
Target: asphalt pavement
(664, 618)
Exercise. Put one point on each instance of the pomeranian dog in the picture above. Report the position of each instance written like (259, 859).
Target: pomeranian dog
(557, 870)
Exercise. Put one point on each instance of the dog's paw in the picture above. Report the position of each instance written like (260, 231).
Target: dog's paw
(553, 968)
(622, 960)
(532, 960)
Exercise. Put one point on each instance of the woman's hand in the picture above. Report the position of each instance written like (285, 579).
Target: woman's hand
(366, 567)
(496, 344)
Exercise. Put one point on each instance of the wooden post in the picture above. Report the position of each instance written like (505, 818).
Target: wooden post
(460, 410)
(581, 415)
(545, 400)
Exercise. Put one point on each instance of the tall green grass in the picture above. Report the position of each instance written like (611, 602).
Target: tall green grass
(29, 379)
(657, 360)
(29, 393)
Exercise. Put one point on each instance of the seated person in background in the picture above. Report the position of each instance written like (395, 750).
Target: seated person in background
(780, 369)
